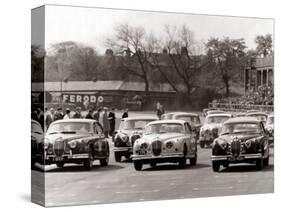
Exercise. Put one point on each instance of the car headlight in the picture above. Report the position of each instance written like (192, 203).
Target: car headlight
(248, 143)
(72, 144)
(169, 144)
(144, 146)
(222, 143)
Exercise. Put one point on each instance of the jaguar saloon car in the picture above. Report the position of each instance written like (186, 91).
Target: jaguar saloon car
(79, 141)
(37, 143)
(211, 127)
(262, 116)
(165, 141)
(192, 118)
(242, 140)
(130, 129)
(269, 127)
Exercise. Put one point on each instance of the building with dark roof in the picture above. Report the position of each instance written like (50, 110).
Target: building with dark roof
(259, 72)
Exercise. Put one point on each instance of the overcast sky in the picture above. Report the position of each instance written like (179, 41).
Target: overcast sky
(92, 26)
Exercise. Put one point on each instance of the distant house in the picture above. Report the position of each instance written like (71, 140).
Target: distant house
(259, 72)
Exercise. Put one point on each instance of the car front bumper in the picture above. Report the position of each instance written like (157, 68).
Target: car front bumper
(240, 158)
(66, 158)
(122, 149)
(162, 157)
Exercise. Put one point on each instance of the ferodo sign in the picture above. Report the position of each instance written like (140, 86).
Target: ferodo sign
(82, 98)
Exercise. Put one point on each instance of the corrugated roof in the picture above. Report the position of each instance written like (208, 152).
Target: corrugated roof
(264, 62)
(100, 86)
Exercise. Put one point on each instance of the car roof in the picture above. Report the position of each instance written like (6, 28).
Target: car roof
(185, 113)
(74, 121)
(215, 111)
(257, 113)
(140, 118)
(218, 114)
(242, 120)
(169, 121)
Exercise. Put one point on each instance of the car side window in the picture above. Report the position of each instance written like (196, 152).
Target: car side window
(187, 128)
(262, 128)
(97, 128)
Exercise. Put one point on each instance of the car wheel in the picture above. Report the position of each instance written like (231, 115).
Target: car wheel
(225, 165)
(117, 157)
(266, 161)
(152, 164)
(104, 162)
(202, 145)
(138, 165)
(60, 164)
(128, 156)
(193, 161)
(259, 164)
(216, 166)
(88, 163)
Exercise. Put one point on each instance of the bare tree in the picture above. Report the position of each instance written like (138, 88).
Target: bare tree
(130, 41)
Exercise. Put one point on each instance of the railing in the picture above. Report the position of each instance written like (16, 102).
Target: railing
(241, 107)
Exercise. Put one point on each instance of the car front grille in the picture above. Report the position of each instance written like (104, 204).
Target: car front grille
(156, 147)
(235, 147)
(134, 138)
(59, 148)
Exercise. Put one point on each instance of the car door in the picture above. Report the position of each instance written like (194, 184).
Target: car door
(264, 139)
(191, 142)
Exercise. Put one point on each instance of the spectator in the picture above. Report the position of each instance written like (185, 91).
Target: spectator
(111, 117)
(77, 114)
(96, 115)
(50, 117)
(67, 114)
(126, 113)
(90, 114)
(59, 114)
(105, 121)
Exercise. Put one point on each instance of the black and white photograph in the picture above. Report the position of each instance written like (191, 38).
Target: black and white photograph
(133, 106)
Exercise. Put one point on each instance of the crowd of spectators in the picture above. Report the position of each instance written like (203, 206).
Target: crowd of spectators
(264, 95)
(102, 114)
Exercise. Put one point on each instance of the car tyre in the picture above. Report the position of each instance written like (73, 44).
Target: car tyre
(216, 166)
(259, 164)
(266, 161)
(225, 165)
(60, 164)
(152, 164)
(138, 165)
(88, 163)
(193, 161)
(104, 162)
(117, 157)
(128, 156)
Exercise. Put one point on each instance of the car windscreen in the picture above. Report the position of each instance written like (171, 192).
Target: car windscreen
(259, 117)
(160, 128)
(189, 119)
(232, 128)
(133, 124)
(69, 127)
(216, 119)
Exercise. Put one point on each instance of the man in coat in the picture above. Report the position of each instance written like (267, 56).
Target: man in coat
(111, 117)
(105, 122)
